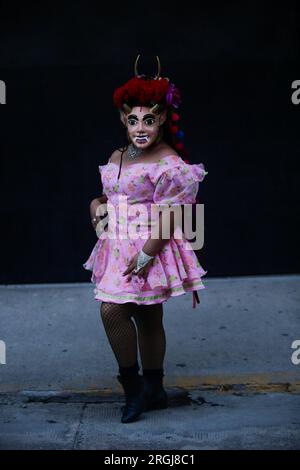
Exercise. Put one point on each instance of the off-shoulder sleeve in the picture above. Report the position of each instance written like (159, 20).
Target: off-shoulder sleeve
(177, 182)
(101, 168)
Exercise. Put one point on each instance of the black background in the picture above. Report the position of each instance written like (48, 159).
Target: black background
(234, 64)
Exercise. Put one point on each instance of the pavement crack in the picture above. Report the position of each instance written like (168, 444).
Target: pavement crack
(76, 437)
(201, 401)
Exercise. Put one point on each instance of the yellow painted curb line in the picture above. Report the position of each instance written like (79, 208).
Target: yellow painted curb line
(243, 383)
(271, 382)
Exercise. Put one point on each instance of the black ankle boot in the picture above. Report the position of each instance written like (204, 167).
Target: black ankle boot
(132, 384)
(156, 395)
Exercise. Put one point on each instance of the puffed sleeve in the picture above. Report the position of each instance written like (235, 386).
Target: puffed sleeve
(177, 182)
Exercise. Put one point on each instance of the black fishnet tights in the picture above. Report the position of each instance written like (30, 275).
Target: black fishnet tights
(124, 335)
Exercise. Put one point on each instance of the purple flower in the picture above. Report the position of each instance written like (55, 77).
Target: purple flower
(173, 97)
(137, 282)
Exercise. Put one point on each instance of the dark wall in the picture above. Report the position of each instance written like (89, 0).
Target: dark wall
(234, 65)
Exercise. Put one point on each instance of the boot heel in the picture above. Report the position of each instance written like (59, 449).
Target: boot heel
(158, 403)
(157, 398)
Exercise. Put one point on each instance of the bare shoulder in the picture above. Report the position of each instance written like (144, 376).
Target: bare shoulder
(115, 156)
(165, 150)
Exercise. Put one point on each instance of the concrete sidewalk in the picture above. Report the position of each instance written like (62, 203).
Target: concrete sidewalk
(240, 335)
(228, 370)
(211, 420)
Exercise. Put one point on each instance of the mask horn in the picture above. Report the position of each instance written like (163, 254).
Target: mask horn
(158, 68)
(135, 66)
(136, 73)
(154, 108)
(126, 108)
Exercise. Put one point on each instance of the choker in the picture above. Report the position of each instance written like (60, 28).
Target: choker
(134, 152)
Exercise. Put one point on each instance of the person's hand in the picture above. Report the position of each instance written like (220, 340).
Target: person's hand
(143, 272)
(95, 220)
(93, 209)
(94, 212)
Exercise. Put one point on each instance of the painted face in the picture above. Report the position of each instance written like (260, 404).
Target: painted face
(143, 126)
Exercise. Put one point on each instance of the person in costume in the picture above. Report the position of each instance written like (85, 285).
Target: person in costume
(135, 274)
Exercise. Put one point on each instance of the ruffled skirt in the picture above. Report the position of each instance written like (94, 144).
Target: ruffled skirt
(175, 271)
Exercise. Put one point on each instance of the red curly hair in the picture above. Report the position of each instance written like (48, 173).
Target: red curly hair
(142, 91)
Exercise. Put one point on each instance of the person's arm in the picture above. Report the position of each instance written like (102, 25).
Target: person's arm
(102, 199)
(156, 243)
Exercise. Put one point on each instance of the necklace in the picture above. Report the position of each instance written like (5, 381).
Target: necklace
(134, 152)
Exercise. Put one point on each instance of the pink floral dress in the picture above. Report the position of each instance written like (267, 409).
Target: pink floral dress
(176, 269)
